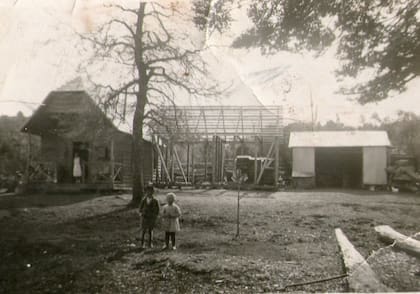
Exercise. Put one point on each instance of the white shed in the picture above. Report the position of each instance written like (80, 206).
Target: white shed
(340, 158)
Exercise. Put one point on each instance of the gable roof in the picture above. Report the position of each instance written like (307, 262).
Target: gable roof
(339, 139)
(74, 108)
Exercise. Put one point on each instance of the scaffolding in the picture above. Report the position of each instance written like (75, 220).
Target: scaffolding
(258, 130)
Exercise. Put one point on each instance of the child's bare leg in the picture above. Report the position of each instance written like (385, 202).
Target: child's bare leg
(150, 237)
(173, 239)
(143, 232)
(167, 239)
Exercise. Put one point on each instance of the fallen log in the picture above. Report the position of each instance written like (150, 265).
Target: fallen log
(407, 244)
(361, 278)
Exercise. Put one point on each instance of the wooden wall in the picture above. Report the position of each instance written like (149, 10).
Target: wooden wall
(374, 165)
(303, 162)
(58, 150)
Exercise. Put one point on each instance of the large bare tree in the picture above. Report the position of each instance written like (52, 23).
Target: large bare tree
(158, 61)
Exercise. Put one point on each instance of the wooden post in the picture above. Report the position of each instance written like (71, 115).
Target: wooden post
(266, 163)
(205, 159)
(172, 163)
(222, 173)
(238, 205)
(192, 165)
(214, 161)
(276, 162)
(255, 161)
(111, 151)
(158, 163)
(188, 162)
(179, 164)
(28, 160)
(163, 162)
(153, 162)
(166, 161)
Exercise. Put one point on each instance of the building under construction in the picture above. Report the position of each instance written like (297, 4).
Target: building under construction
(207, 144)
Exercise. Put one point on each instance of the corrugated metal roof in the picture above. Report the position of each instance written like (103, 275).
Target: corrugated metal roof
(339, 139)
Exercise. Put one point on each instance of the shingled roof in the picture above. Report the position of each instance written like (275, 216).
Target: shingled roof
(69, 102)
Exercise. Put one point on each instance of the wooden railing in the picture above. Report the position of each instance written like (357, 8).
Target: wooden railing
(44, 171)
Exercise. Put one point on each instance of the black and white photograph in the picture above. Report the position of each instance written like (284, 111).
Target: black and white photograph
(209, 146)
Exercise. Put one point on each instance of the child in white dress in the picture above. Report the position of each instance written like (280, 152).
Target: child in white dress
(170, 215)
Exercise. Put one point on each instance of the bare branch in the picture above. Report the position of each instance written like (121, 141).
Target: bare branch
(134, 11)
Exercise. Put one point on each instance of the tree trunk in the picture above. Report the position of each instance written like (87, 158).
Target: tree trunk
(138, 152)
(138, 143)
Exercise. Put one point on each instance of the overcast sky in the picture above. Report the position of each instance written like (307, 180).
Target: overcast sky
(38, 54)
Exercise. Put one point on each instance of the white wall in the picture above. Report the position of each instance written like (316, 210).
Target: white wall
(303, 162)
(374, 164)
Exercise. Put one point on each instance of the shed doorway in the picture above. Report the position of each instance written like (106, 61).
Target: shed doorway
(339, 167)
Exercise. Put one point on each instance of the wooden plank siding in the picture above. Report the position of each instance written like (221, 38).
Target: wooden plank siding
(68, 118)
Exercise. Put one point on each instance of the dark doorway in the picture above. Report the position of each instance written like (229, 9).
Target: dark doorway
(339, 167)
(82, 149)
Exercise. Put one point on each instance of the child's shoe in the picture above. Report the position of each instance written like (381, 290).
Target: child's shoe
(173, 247)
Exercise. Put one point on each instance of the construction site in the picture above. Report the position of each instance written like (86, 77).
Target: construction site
(206, 145)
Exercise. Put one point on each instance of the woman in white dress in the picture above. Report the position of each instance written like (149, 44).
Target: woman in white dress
(77, 168)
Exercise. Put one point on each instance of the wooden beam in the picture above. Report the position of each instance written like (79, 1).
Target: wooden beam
(28, 160)
(255, 162)
(205, 123)
(276, 162)
(172, 162)
(158, 164)
(112, 158)
(168, 178)
(192, 165)
(153, 163)
(214, 161)
(205, 159)
(180, 164)
(163, 162)
(402, 242)
(188, 161)
(223, 161)
(266, 162)
(361, 277)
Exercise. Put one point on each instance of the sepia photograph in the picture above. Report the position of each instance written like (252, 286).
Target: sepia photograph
(209, 146)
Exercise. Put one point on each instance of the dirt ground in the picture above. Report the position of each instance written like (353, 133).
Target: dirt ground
(87, 244)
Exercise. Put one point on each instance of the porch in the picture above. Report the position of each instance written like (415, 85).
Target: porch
(43, 176)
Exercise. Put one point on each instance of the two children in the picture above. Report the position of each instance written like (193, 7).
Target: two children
(149, 211)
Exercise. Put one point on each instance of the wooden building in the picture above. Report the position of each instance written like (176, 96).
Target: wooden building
(203, 146)
(69, 122)
(347, 159)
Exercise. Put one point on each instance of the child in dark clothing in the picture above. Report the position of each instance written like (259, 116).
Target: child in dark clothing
(149, 211)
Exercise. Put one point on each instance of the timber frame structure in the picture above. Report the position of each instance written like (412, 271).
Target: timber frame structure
(257, 129)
